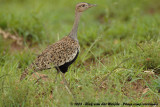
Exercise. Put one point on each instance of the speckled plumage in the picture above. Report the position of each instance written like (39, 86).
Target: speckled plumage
(56, 55)
(62, 53)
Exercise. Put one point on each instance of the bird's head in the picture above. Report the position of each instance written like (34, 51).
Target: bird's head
(80, 7)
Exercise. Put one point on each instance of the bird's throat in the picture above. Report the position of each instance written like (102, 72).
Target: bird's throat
(73, 33)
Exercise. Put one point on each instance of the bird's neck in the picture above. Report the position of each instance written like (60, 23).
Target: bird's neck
(73, 33)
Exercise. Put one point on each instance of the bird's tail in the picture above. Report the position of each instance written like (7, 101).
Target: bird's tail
(26, 72)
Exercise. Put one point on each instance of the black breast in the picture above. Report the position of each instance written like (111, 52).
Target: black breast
(65, 66)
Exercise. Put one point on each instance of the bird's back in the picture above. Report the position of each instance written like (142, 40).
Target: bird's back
(55, 55)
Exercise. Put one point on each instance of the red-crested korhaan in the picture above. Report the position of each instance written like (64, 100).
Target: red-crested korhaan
(61, 54)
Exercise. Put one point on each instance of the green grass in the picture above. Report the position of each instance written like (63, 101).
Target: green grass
(119, 40)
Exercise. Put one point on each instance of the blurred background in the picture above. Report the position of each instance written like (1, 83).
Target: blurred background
(43, 20)
(108, 34)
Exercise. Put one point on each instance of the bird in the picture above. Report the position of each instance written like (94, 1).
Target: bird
(61, 54)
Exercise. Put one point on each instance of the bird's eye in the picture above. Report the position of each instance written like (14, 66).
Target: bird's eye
(83, 5)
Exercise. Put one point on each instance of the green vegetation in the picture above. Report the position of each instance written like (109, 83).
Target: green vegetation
(120, 39)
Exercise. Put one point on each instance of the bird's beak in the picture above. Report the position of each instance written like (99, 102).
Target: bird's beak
(91, 5)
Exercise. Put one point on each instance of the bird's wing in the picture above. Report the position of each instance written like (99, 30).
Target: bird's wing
(58, 54)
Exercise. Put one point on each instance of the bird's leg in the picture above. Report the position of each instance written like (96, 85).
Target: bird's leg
(67, 86)
(56, 76)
